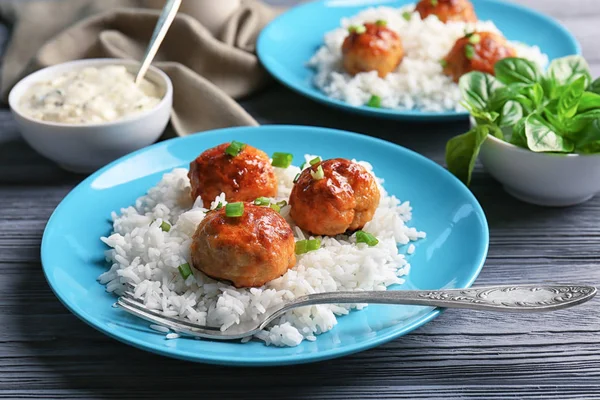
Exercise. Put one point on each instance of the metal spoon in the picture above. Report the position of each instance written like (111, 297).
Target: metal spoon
(513, 298)
(160, 30)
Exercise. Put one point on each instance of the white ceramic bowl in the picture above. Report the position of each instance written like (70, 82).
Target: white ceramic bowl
(86, 147)
(540, 178)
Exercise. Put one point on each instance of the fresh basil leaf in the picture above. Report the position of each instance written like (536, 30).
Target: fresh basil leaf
(566, 70)
(589, 101)
(580, 121)
(516, 70)
(477, 89)
(462, 151)
(541, 138)
(518, 134)
(511, 113)
(569, 100)
(536, 94)
(594, 87)
(483, 117)
(588, 140)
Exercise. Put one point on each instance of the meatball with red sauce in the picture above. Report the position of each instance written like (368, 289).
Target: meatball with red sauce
(344, 199)
(447, 10)
(476, 52)
(247, 251)
(242, 177)
(372, 47)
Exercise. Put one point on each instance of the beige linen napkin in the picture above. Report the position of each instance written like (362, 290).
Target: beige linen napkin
(208, 71)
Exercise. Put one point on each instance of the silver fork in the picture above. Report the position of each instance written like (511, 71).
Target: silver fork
(511, 298)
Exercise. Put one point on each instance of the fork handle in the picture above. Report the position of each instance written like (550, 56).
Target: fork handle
(512, 298)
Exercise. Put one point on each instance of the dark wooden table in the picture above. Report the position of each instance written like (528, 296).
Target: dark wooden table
(45, 352)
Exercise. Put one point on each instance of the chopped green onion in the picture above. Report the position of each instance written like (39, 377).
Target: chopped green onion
(282, 160)
(185, 270)
(407, 15)
(234, 209)
(469, 51)
(364, 237)
(219, 206)
(262, 201)
(374, 101)
(235, 148)
(282, 203)
(275, 207)
(358, 29)
(434, 3)
(381, 22)
(165, 227)
(468, 34)
(474, 38)
(443, 63)
(297, 177)
(315, 160)
(318, 174)
(304, 246)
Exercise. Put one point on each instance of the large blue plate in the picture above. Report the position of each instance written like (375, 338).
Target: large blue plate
(289, 41)
(450, 257)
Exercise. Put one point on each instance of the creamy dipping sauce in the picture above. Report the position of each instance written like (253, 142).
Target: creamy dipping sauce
(89, 95)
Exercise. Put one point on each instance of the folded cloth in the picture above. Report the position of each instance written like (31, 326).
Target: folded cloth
(208, 70)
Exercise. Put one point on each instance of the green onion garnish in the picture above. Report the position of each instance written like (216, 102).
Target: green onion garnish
(381, 22)
(474, 38)
(282, 160)
(234, 209)
(165, 227)
(262, 201)
(374, 101)
(282, 203)
(318, 174)
(443, 63)
(235, 148)
(304, 246)
(297, 177)
(315, 160)
(358, 29)
(275, 207)
(185, 270)
(219, 206)
(406, 15)
(469, 51)
(364, 237)
(434, 3)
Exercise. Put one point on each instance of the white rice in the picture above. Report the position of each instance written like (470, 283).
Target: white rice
(418, 83)
(143, 255)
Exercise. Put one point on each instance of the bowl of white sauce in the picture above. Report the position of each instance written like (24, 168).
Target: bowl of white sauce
(84, 114)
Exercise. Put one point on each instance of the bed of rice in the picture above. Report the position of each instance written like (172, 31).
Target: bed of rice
(143, 255)
(418, 83)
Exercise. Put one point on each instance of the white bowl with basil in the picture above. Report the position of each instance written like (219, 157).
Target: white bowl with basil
(537, 133)
(84, 114)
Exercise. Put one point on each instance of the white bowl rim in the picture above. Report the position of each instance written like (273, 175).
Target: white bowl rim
(510, 146)
(31, 79)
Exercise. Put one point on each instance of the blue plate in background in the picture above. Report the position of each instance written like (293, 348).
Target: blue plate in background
(288, 42)
(450, 257)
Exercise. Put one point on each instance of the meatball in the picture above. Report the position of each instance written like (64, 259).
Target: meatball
(243, 177)
(447, 10)
(476, 52)
(345, 199)
(372, 47)
(248, 251)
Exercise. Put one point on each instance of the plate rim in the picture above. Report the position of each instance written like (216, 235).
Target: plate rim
(270, 360)
(407, 115)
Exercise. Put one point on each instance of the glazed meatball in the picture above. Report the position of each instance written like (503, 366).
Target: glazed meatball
(447, 10)
(476, 52)
(345, 199)
(372, 47)
(248, 251)
(243, 177)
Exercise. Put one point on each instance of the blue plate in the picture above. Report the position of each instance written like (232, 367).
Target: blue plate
(288, 42)
(450, 257)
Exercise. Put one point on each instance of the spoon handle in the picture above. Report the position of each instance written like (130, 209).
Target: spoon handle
(160, 30)
(512, 298)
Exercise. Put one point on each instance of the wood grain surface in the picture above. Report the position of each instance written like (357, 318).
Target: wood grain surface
(45, 352)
